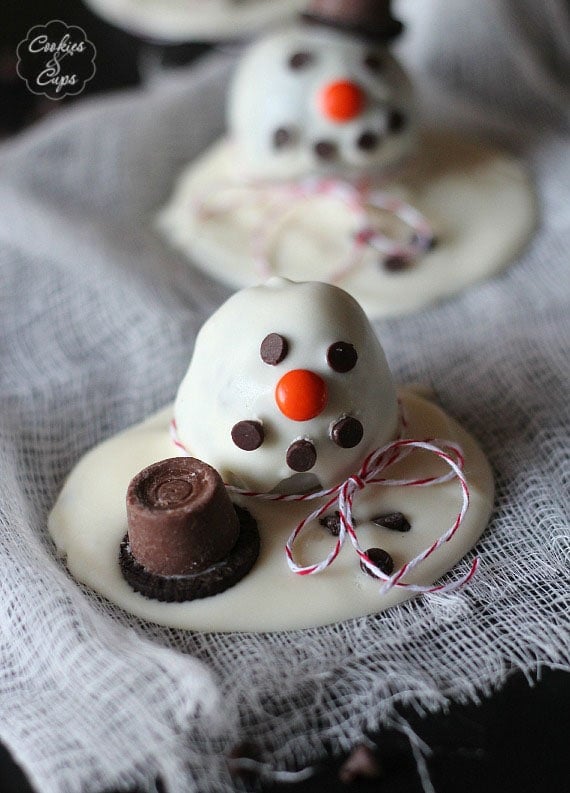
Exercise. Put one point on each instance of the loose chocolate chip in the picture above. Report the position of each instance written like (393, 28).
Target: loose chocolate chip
(282, 137)
(300, 60)
(394, 521)
(248, 435)
(273, 349)
(326, 150)
(301, 456)
(361, 763)
(368, 141)
(373, 62)
(381, 559)
(331, 523)
(396, 121)
(347, 432)
(395, 264)
(341, 356)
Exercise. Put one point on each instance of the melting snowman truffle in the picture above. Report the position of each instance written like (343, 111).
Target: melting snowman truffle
(316, 98)
(288, 388)
(181, 542)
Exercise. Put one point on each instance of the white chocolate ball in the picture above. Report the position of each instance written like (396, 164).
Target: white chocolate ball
(283, 125)
(229, 382)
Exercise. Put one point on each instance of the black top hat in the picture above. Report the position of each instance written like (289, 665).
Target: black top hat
(371, 19)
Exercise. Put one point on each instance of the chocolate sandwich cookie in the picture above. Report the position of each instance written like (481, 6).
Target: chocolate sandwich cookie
(185, 539)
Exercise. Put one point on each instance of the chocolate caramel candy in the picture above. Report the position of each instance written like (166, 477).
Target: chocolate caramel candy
(180, 517)
(370, 18)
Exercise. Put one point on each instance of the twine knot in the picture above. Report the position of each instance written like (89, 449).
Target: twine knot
(356, 481)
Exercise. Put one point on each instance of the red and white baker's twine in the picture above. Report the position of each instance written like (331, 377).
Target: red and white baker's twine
(341, 496)
(279, 198)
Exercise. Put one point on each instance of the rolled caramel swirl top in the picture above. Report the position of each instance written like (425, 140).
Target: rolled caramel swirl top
(180, 517)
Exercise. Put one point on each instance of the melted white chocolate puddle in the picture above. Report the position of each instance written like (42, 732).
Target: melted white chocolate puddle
(478, 199)
(88, 522)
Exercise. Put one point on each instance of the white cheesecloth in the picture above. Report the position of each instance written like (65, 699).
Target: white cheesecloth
(97, 322)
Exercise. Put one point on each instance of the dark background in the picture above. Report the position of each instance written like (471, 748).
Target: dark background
(518, 740)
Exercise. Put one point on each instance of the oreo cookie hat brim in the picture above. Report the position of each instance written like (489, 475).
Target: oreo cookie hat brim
(215, 579)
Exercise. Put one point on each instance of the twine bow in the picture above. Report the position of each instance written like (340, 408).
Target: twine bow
(342, 496)
(279, 198)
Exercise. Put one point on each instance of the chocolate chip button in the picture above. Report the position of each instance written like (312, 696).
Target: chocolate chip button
(326, 150)
(341, 356)
(347, 432)
(381, 559)
(394, 521)
(248, 435)
(282, 137)
(273, 349)
(368, 141)
(301, 456)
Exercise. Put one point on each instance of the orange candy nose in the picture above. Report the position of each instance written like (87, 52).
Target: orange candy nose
(301, 395)
(341, 101)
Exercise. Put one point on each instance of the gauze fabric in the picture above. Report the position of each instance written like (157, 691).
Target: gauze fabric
(98, 318)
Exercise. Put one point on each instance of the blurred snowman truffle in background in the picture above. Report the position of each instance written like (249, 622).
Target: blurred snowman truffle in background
(328, 173)
(325, 96)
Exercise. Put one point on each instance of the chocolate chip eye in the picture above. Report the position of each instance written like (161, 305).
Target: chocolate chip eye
(397, 121)
(325, 150)
(300, 60)
(248, 435)
(347, 432)
(274, 348)
(301, 456)
(283, 137)
(368, 141)
(341, 356)
(373, 62)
